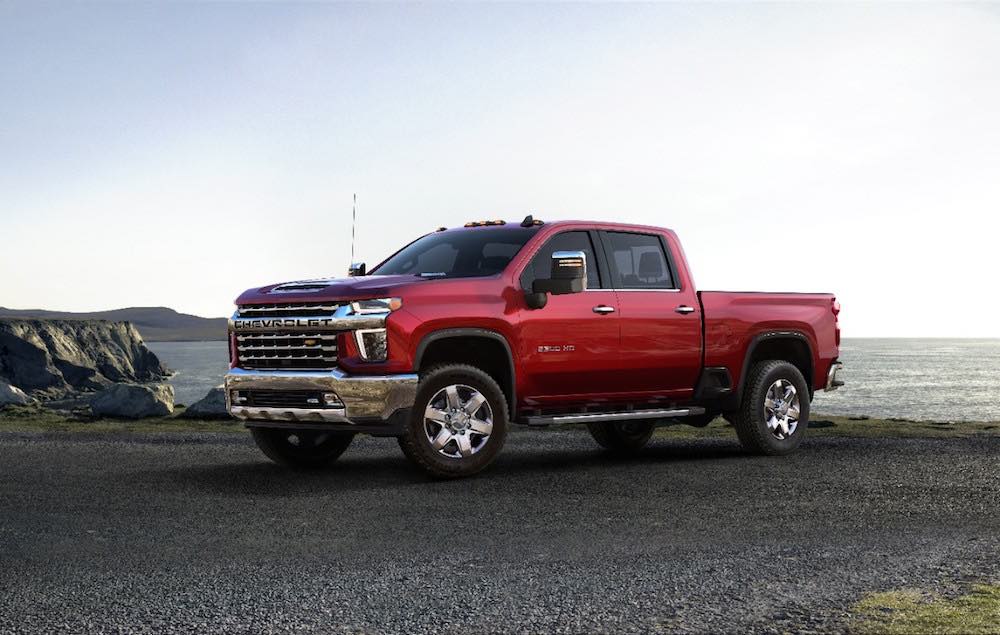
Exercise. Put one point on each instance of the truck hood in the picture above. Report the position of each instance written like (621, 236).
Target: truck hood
(330, 289)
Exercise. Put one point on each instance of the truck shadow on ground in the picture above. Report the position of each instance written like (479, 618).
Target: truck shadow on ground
(388, 468)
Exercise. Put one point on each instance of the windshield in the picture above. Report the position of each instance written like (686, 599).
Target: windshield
(481, 251)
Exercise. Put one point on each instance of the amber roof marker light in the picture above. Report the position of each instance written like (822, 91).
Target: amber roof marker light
(485, 223)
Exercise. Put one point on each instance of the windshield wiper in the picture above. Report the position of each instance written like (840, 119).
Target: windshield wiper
(432, 274)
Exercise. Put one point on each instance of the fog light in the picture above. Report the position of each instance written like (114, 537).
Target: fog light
(372, 344)
(237, 397)
(331, 399)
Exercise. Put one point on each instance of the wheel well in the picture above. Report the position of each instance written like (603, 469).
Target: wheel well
(792, 349)
(489, 354)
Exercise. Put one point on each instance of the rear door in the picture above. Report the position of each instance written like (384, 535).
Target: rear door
(660, 321)
(569, 346)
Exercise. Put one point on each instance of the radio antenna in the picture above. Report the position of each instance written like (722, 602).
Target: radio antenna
(354, 221)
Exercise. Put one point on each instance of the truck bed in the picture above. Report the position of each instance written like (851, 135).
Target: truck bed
(734, 319)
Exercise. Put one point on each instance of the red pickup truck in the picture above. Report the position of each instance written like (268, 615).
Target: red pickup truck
(466, 331)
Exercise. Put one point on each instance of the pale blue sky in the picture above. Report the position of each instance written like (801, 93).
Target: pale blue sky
(175, 154)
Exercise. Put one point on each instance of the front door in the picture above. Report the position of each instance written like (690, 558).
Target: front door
(569, 348)
(660, 317)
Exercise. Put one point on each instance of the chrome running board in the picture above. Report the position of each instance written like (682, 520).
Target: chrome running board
(595, 417)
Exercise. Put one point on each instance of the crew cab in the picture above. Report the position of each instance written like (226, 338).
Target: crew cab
(467, 331)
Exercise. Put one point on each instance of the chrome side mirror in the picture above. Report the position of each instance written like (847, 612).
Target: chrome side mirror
(569, 275)
(356, 269)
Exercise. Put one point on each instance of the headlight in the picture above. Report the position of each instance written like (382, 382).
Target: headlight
(372, 344)
(376, 306)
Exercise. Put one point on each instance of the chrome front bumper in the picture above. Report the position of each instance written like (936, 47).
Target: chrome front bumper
(365, 398)
(832, 383)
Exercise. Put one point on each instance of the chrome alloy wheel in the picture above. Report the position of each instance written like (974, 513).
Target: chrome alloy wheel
(781, 408)
(458, 421)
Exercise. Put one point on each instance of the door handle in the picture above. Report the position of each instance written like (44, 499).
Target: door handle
(604, 309)
(684, 309)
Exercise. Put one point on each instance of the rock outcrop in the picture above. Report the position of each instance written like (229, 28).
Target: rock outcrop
(134, 401)
(54, 358)
(12, 395)
(211, 406)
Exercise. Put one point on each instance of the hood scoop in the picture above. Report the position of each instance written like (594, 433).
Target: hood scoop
(303, 286)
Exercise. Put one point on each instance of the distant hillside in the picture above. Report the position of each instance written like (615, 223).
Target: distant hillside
(155, 324)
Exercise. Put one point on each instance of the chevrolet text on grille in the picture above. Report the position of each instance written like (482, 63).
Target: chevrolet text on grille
(242, 324)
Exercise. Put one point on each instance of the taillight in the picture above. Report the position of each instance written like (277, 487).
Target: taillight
(836, 321)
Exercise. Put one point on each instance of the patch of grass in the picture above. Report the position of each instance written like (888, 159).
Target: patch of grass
(39, 419)
(913, 612)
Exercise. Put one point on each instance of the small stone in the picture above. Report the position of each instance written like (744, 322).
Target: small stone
(12, 395)
(211, 406)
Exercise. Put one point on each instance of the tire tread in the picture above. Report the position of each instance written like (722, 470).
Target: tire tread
(408, 441)
(751, 435)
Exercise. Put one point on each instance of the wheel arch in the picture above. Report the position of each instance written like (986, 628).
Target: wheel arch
(790, 346)
(485, 349)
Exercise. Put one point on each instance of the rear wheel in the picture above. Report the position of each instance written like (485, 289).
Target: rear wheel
(622, 437)
(458, 424)
(301, 448)
(774, 412)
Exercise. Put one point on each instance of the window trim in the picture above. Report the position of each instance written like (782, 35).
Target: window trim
(596, 245)
(664, 247)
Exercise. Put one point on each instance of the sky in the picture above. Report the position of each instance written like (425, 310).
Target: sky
(176, 154)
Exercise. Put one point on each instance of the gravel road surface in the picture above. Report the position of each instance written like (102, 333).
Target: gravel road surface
(196, 533)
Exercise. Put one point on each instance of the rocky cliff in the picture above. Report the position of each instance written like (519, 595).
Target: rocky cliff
(52, 358)
(157, 324)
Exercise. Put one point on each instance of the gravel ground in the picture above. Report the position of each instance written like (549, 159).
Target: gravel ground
(196, 533)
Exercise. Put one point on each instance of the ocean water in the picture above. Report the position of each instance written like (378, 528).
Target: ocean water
(922, 379)
(199, 367)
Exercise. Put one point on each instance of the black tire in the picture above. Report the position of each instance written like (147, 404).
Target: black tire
(623, 437)
(302, 449)
(441, 462)
(751, 420)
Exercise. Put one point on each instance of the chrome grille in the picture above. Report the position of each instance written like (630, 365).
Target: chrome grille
(287, 350)
(287, 309)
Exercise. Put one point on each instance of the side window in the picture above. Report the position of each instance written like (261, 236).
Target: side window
(638, 261)
(541, 264)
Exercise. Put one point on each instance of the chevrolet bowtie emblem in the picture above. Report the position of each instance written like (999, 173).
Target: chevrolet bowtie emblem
(310, 342)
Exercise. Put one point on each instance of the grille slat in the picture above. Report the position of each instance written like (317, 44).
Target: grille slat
(289, 348)
(287, 309)
(280, 336)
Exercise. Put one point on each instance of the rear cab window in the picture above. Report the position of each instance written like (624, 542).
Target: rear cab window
(639, 261)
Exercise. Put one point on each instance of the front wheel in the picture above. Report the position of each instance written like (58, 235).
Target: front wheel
(458, 424)
(622, 437)
(305, 449)
(774, 412)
